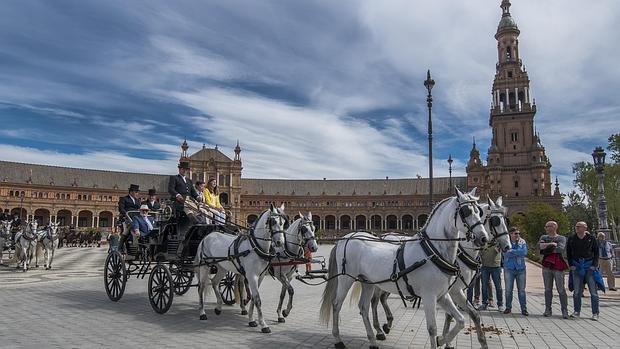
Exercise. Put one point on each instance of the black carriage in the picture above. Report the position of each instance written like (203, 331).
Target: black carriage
(167, 257)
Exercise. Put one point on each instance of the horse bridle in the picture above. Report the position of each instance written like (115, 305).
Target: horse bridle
(495, 221)
(271, 221)
(463, 211)
(305, 227)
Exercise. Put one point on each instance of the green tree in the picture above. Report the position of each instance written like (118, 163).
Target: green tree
(532, 225)
(578, 209)
(586, 181)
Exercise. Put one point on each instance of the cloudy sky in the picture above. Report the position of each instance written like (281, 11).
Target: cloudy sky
(311, 89)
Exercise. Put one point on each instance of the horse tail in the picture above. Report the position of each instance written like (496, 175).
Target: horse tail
(201, 269)
(329, 294)
(356, 293)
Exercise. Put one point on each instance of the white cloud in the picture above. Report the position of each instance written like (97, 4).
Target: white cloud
(97, 160)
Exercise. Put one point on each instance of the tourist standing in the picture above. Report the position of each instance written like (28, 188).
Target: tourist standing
(582, 254)
(514, 270)
(605, 260)
(491, 268)
(552, 246)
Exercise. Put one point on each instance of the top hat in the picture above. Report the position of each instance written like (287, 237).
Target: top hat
(184, 164)
(134, 187)
(152, 192)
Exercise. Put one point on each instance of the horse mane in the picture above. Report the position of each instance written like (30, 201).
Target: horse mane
(435, 208)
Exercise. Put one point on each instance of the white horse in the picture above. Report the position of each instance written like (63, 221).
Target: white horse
(46, 241)
(247, 255)
(423, 267)
(5, 235)
(25, 244)
(299, 235)
(467, 257)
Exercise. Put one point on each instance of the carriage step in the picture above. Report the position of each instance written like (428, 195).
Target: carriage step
(173, 246)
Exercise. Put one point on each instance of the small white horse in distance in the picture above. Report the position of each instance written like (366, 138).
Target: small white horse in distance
(47, 240)
(424, 266)
(5, 236)
(25, 244)
(247, 254)
(299, 235)
(494, 216)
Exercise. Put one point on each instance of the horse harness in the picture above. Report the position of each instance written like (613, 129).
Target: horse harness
(234, 255)
(400, 270)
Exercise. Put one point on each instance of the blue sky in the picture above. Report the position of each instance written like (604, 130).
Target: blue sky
(311, 89)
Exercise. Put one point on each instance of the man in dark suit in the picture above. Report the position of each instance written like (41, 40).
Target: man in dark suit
(180, 186)
(152, 202)
(131, 202)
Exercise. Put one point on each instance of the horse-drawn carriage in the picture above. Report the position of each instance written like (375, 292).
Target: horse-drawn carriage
(166, 256)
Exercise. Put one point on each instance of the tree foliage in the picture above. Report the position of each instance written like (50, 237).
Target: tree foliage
(587, 182)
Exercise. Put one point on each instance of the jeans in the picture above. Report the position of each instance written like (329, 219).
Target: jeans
(578, 290)
(549, 276)
(495, 273)
(509, 278)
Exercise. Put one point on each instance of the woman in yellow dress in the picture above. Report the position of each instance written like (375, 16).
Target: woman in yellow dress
(212, 199)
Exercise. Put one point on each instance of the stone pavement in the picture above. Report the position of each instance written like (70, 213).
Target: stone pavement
(68, 308)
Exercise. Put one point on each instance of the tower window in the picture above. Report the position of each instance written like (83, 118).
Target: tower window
(514, 136)
(508, 53)
(516, 184)
(510, 75)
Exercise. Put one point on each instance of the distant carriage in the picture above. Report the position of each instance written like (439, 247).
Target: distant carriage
(166, 256)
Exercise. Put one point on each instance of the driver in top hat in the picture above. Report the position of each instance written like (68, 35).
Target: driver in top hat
(152, 202)
(131, 202)
(180, 186)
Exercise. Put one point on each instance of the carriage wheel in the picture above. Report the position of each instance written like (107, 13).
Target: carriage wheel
(114, 276)
(182, 279)
(160, 289)
(227, 288)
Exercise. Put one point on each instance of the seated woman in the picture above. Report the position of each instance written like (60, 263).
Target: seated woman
(212, 199)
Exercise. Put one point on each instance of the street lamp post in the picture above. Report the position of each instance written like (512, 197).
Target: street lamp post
(598, 155)
(450, 161)
(21, 205)
(429, 83)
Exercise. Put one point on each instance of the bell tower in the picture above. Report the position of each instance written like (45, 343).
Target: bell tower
(517, 166)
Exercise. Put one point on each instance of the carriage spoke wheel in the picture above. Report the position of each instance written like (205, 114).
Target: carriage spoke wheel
(160, 289)
(114, 276)
(227, 288)
(182, 279)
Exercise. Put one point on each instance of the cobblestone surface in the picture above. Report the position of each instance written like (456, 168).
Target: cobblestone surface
(67, 307)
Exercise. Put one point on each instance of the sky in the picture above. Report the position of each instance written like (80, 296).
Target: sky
(310, 89)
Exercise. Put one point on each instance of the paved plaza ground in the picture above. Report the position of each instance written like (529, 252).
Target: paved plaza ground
(68, 308)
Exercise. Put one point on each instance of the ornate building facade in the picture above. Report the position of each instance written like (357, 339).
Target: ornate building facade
(517, 168)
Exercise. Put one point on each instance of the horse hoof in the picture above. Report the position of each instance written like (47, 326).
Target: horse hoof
(253, 324)
(265, 330)
(281, 319)
(374, 347)
(339, 345)
(244, 312)
(203, 317)
(285, 313)
(447, 347)
(217, 311)
(380, 336)
(386, 328)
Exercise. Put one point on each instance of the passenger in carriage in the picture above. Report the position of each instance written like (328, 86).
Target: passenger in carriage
(142, 224)
(212, 199)
(131, 202)
(152, 202)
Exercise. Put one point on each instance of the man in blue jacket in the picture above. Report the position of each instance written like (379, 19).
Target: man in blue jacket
(141, 224)
(514, 269)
